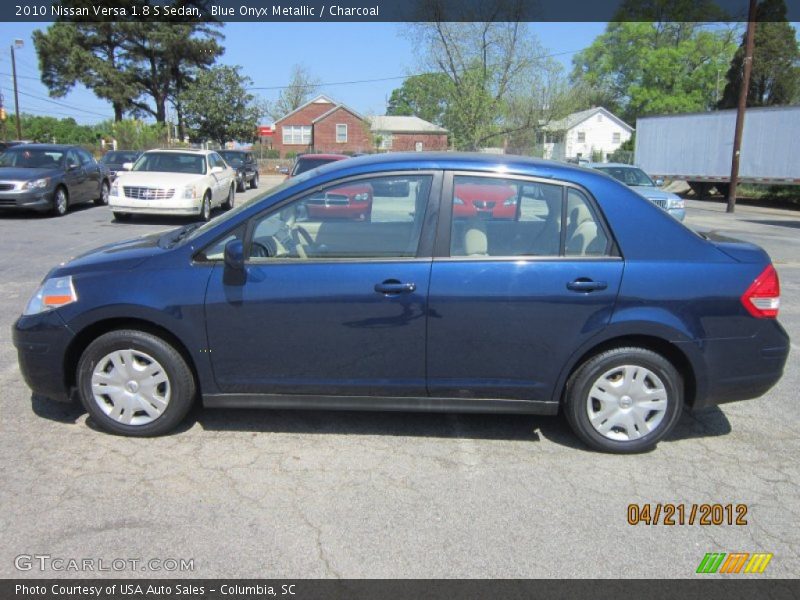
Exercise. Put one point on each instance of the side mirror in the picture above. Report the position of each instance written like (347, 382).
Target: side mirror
(234, 273)
(72, 166)
(659, 182)
(217, 169)
(127, 166)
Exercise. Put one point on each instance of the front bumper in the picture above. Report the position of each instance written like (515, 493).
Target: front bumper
(41, 199)
(42, 341)
(173, 206)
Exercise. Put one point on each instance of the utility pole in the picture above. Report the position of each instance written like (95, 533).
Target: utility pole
(737, 137)
(17, 44)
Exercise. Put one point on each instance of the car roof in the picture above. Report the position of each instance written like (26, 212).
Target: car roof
(197, 151)
(59, 147)
(611, 164)
(323, 156)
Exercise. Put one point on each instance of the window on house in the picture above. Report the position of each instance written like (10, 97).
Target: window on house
(385, 141)
(581, 136)
(615, 137)
(296, 134)
(341, 133)
(599, 118)
(418, 146)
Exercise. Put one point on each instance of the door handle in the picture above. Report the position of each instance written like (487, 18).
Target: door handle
(393, 286)
(584, 284)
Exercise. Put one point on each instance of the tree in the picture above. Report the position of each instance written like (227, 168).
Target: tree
(775, 75)
(218, 107)
(487, 63)
(661, 60)
(426, 96)
(302, 86)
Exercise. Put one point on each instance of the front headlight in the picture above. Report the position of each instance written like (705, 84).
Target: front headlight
(55, 292)
(362, 197)
(36, 184)
(458, 201)
(675, 203)
(114, 188)
(510, 201)
(189, 193)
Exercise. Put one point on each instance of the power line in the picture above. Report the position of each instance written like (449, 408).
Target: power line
(379, 79)
(63, 104)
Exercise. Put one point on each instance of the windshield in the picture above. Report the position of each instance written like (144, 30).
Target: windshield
(304, 164)
(233, 158)
(628, 175)
(31, 158)
(171, 162)
(119, 157)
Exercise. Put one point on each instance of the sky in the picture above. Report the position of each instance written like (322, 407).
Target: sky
(334, 52)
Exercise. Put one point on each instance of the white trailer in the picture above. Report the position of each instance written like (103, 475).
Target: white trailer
(697, 147)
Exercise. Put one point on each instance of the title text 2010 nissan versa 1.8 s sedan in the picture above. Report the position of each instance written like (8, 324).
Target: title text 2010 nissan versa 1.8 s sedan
(590, 300)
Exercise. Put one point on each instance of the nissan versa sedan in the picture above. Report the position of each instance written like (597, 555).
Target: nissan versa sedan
(590, 301)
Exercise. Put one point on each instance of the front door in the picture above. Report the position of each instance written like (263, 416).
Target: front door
(518, 292)
(334, 301)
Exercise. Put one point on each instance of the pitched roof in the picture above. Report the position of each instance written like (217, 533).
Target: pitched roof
(577, 118)
(320, 99)
(334, 109)
(395, 124)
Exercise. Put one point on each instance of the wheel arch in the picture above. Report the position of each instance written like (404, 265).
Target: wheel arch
(91, 332)
(693, 385)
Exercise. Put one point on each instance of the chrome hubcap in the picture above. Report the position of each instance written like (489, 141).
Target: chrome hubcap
(61, 202)
(131, 387)
(626, 403)
(104, 194)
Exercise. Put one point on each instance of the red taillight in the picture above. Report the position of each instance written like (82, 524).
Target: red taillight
(763, 298)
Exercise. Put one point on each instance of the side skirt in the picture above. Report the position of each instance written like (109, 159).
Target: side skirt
(410, 404)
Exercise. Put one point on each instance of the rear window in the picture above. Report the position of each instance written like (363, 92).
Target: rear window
(304, 164)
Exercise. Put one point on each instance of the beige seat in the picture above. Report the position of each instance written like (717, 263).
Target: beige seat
(476, 243)
(583, 230)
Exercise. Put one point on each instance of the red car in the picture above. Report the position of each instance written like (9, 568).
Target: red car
(485, 200)
(348, 202)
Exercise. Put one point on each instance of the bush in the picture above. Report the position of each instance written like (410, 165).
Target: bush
(272, 153)
(291, 154)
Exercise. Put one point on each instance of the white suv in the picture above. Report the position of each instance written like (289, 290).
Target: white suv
(173, 182)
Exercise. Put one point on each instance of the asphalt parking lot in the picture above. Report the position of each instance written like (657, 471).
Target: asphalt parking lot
(324, 494)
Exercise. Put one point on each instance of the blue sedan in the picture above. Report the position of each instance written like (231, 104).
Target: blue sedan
(577, 295)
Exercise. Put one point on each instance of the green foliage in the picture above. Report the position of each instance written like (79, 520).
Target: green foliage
(291, 154)
(647, 68)
(272, 153)
(132, 134)
(775, 75)
(218, 107)
(426, 96)
(52, 130)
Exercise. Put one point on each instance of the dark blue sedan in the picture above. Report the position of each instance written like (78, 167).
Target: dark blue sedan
(577, 295)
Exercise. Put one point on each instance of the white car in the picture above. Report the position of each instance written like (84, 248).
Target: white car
(173, 182)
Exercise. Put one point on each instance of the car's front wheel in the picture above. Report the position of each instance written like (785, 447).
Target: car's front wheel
(205, 208)
(134, 383)
(624, 400)
(60, 202)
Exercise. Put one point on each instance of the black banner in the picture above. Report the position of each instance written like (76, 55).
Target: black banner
(703, 588)
(277, 11)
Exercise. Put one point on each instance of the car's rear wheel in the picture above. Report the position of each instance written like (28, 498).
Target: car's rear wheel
(624, 400)
(134, 383)
(60, 202)
(254, 182)
(103, 199)
(228, 204)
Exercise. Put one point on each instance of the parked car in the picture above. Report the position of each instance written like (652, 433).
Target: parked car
(306, 162)
(245, 166)
(12, 143)
(116, 160)
(591, 301)
(173, 182)
(51, 178)
(485, 199)
(641, 182)
(346, 202)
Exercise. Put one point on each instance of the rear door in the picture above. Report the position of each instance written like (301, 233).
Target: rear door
(76, 178)
(523, 274)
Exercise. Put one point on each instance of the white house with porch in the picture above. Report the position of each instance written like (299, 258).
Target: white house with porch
(584, 134)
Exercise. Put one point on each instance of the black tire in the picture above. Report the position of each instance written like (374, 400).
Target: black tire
(121, 216)
(179, 376)
(103, 199)
(228, 204)
(723, 189)
(205, 209)
(241, 184)
(580, 384)
(60, 201)
(254, 182)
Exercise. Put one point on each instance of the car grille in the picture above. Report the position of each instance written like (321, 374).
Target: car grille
(659, 202)
(483, 204)
(8, 202)
(148, 193)
(330, 199)
(6, 187)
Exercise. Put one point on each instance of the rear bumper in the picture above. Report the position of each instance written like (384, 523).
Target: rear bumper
(745, 368)
(42, 341)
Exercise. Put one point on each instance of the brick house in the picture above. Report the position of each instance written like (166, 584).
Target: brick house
(323, 125)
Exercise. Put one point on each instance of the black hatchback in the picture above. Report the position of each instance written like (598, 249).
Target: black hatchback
(51, 178)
